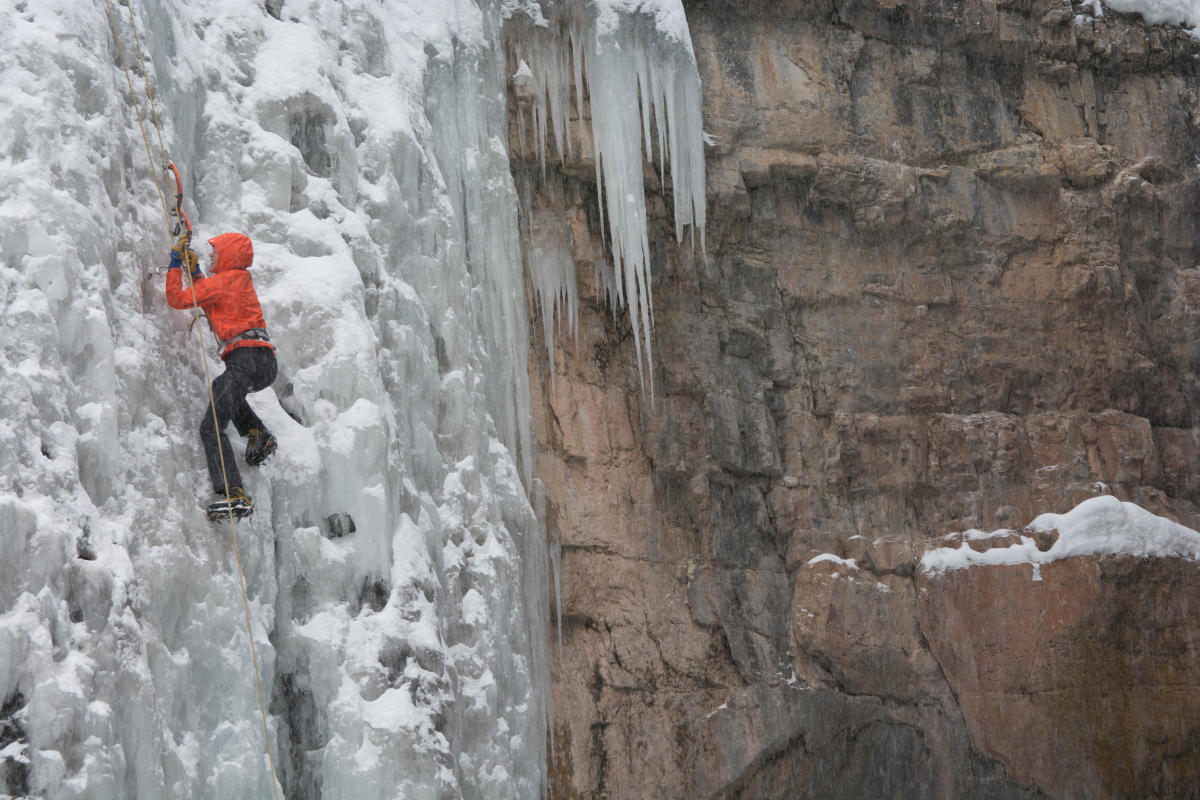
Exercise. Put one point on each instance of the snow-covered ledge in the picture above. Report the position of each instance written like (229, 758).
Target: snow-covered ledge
(1096, 526)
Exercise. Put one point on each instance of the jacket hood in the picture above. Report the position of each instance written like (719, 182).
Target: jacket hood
(234, 251)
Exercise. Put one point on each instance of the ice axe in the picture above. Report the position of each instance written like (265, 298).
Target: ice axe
(182, 221)
(183, 224)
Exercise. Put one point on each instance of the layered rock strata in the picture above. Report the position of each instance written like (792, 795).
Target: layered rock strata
(951, 281)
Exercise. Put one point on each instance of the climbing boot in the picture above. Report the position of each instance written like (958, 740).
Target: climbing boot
(237, 503)
(260, 445)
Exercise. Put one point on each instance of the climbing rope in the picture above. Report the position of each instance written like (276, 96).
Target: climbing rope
(200, 345)
(137, 43)
(136, 106)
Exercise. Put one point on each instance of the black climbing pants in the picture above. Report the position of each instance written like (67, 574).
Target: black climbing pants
(247, 369)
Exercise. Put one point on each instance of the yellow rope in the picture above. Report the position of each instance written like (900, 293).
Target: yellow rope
(204, 359)
(137, 43)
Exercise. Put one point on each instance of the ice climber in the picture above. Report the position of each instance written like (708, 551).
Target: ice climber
(228, 298)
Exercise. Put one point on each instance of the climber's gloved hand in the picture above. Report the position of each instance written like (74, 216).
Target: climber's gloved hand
(182, 254)
(193, 263)
(177, 252)
(188, 257)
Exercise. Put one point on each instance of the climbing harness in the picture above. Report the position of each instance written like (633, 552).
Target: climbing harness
(253, 334)
(183, 223)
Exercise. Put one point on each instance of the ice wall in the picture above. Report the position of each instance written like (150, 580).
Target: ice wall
(395, 569)
(362, 146)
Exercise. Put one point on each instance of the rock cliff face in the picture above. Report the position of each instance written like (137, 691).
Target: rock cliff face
(1083, 681)
(952, 280)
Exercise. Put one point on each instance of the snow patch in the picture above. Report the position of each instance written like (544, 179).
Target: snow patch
(1096, 526)
(1158, 12)
(831, 558)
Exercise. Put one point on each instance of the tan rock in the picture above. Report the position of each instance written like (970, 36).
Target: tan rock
(1081, 680)
(853, 631)
(1086, 163)
(1018, 169)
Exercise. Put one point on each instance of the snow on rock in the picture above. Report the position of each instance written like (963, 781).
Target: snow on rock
(1096, 526)
(668, 16)
(1155, 12)
(833, 559)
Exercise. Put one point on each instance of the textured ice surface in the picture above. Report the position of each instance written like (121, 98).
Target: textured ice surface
(362, 146)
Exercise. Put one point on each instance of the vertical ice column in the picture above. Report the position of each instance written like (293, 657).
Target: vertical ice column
(495, 561)
(638, 70)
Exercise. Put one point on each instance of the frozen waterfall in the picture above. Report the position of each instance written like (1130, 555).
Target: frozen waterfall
(395, 569)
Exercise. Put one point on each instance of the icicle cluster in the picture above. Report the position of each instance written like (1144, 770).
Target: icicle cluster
(635, 65)
(552, 272)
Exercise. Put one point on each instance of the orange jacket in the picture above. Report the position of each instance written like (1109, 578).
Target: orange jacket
(227, 296)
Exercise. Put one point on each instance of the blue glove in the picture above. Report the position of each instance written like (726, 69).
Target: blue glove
(177, 253)
(177, 261)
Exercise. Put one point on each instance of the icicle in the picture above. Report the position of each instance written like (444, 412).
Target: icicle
(639, 71)
(577, 70)
(552, 271)
(560, 101)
